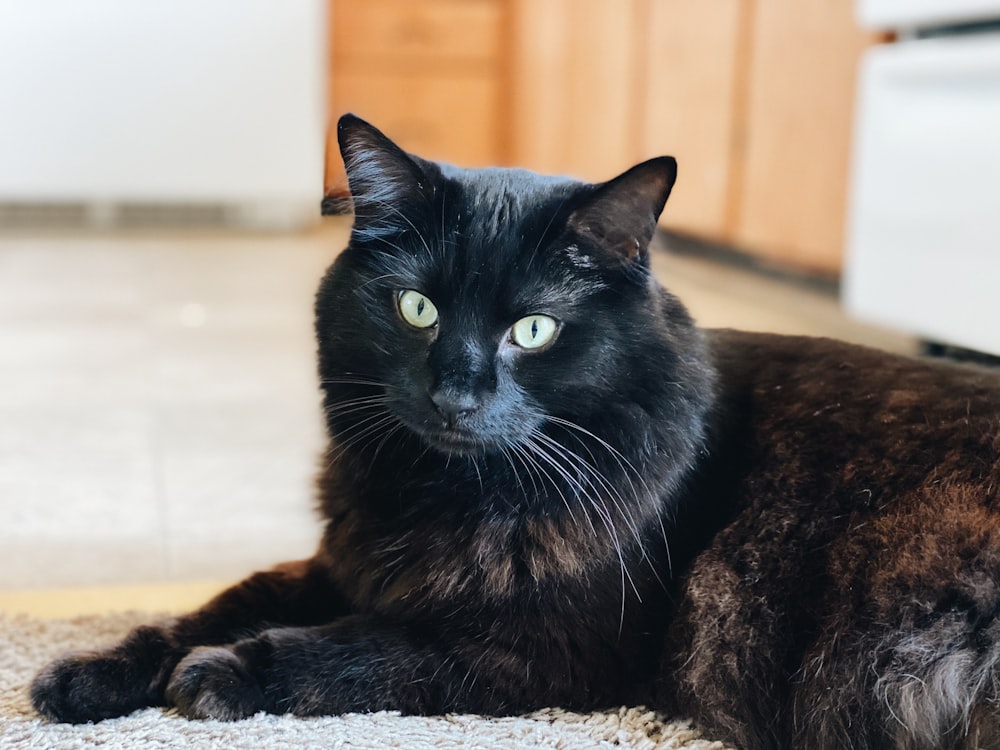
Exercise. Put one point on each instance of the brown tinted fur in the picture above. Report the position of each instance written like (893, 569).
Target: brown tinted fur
(387, 567)
(864, 511)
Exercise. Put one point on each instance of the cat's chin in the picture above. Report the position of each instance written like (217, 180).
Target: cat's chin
(454, 442)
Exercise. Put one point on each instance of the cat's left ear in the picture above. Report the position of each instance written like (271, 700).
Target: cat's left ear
(621, 214)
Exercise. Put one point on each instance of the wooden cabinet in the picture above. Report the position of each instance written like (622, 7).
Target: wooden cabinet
(754, 99)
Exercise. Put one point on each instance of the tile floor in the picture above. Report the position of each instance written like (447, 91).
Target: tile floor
(159, 416)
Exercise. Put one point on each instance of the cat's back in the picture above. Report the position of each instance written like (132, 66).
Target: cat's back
(823, 434)
(840, 407)
(818, 368)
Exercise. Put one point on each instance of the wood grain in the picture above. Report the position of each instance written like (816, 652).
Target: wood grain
(428, 74)
(690, 96)
(453, 118)
(575, 63)
(800, 99)
(402, 32)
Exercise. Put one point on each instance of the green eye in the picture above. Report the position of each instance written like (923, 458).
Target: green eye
(416, 309)
(533, 331)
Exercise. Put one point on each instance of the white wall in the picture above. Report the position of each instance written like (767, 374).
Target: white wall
(923, 239)
(186, 100)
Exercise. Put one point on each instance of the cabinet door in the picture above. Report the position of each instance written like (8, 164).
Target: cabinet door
(576, 71)
(690, 104)
(800, 97)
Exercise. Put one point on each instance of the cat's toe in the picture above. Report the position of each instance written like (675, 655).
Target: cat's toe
(213, 683)
(86, 687)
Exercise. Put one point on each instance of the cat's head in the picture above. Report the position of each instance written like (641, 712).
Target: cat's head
(479, 310)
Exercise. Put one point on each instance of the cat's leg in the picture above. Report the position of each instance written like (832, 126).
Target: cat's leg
(932, 685)
(357, 664)
(95, 685)
(909, 655)
(723, 661)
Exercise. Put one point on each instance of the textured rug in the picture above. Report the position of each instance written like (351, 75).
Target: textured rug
(27, 643)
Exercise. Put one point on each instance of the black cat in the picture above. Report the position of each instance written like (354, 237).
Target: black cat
(546, 486)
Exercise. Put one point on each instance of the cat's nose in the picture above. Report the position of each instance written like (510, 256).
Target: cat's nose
(453, 404)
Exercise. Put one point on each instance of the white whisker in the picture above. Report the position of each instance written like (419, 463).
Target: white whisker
(597, 504)
(627, 468)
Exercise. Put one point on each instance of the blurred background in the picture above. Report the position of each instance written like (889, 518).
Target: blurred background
(161, 168)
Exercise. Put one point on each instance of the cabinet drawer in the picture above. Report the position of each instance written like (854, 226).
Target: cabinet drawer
(380, 31)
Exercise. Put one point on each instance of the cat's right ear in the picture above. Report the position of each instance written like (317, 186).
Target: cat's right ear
(621, 214)
(386, 183)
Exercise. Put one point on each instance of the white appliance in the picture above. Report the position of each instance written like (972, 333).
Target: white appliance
(116, 111)
(923, 237)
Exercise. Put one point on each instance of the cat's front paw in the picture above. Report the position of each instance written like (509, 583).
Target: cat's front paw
(214, 683)
(86, 687)
(96, 685)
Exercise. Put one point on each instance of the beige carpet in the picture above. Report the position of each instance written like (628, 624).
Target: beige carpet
(27, 643)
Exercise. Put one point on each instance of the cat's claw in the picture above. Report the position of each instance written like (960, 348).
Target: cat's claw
(213, 683)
